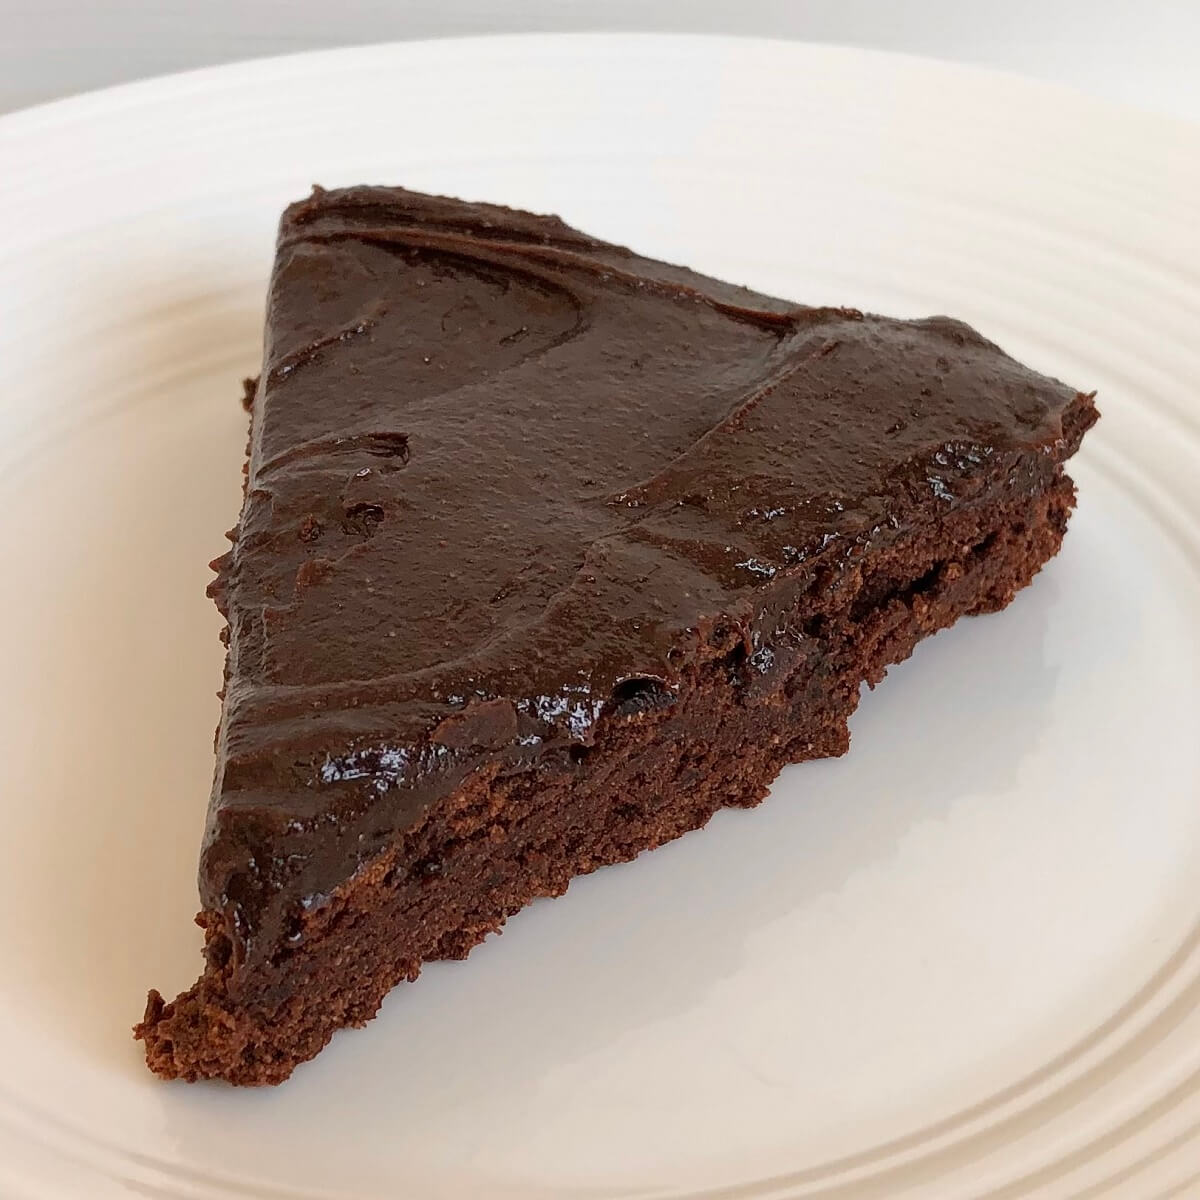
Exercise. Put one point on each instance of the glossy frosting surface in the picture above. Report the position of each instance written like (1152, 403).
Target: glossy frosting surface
(498, 470)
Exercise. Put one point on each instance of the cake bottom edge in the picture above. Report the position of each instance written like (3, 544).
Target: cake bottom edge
(500, 842)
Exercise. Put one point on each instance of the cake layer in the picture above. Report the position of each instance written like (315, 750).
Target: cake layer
(653, 772)
(513, 496)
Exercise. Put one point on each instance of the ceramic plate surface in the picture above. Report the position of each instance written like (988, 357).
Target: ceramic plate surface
(963, 961)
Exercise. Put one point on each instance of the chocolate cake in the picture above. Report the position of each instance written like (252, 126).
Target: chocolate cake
(548, 551)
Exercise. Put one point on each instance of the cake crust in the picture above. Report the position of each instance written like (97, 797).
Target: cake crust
(548, 551)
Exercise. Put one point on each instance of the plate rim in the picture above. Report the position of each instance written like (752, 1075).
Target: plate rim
(96, 102)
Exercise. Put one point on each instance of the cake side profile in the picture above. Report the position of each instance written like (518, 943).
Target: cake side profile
(549, 551)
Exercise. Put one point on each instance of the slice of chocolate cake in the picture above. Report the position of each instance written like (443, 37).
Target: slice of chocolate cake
(549, 551)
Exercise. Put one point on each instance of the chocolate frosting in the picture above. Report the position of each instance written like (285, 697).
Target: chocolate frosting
(505, 479)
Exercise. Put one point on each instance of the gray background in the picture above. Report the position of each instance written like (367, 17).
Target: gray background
(1143, 52)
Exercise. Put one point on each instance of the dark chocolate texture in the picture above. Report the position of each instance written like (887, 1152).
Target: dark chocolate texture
(506, 481)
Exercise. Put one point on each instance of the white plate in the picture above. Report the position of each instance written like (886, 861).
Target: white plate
(963, 961)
